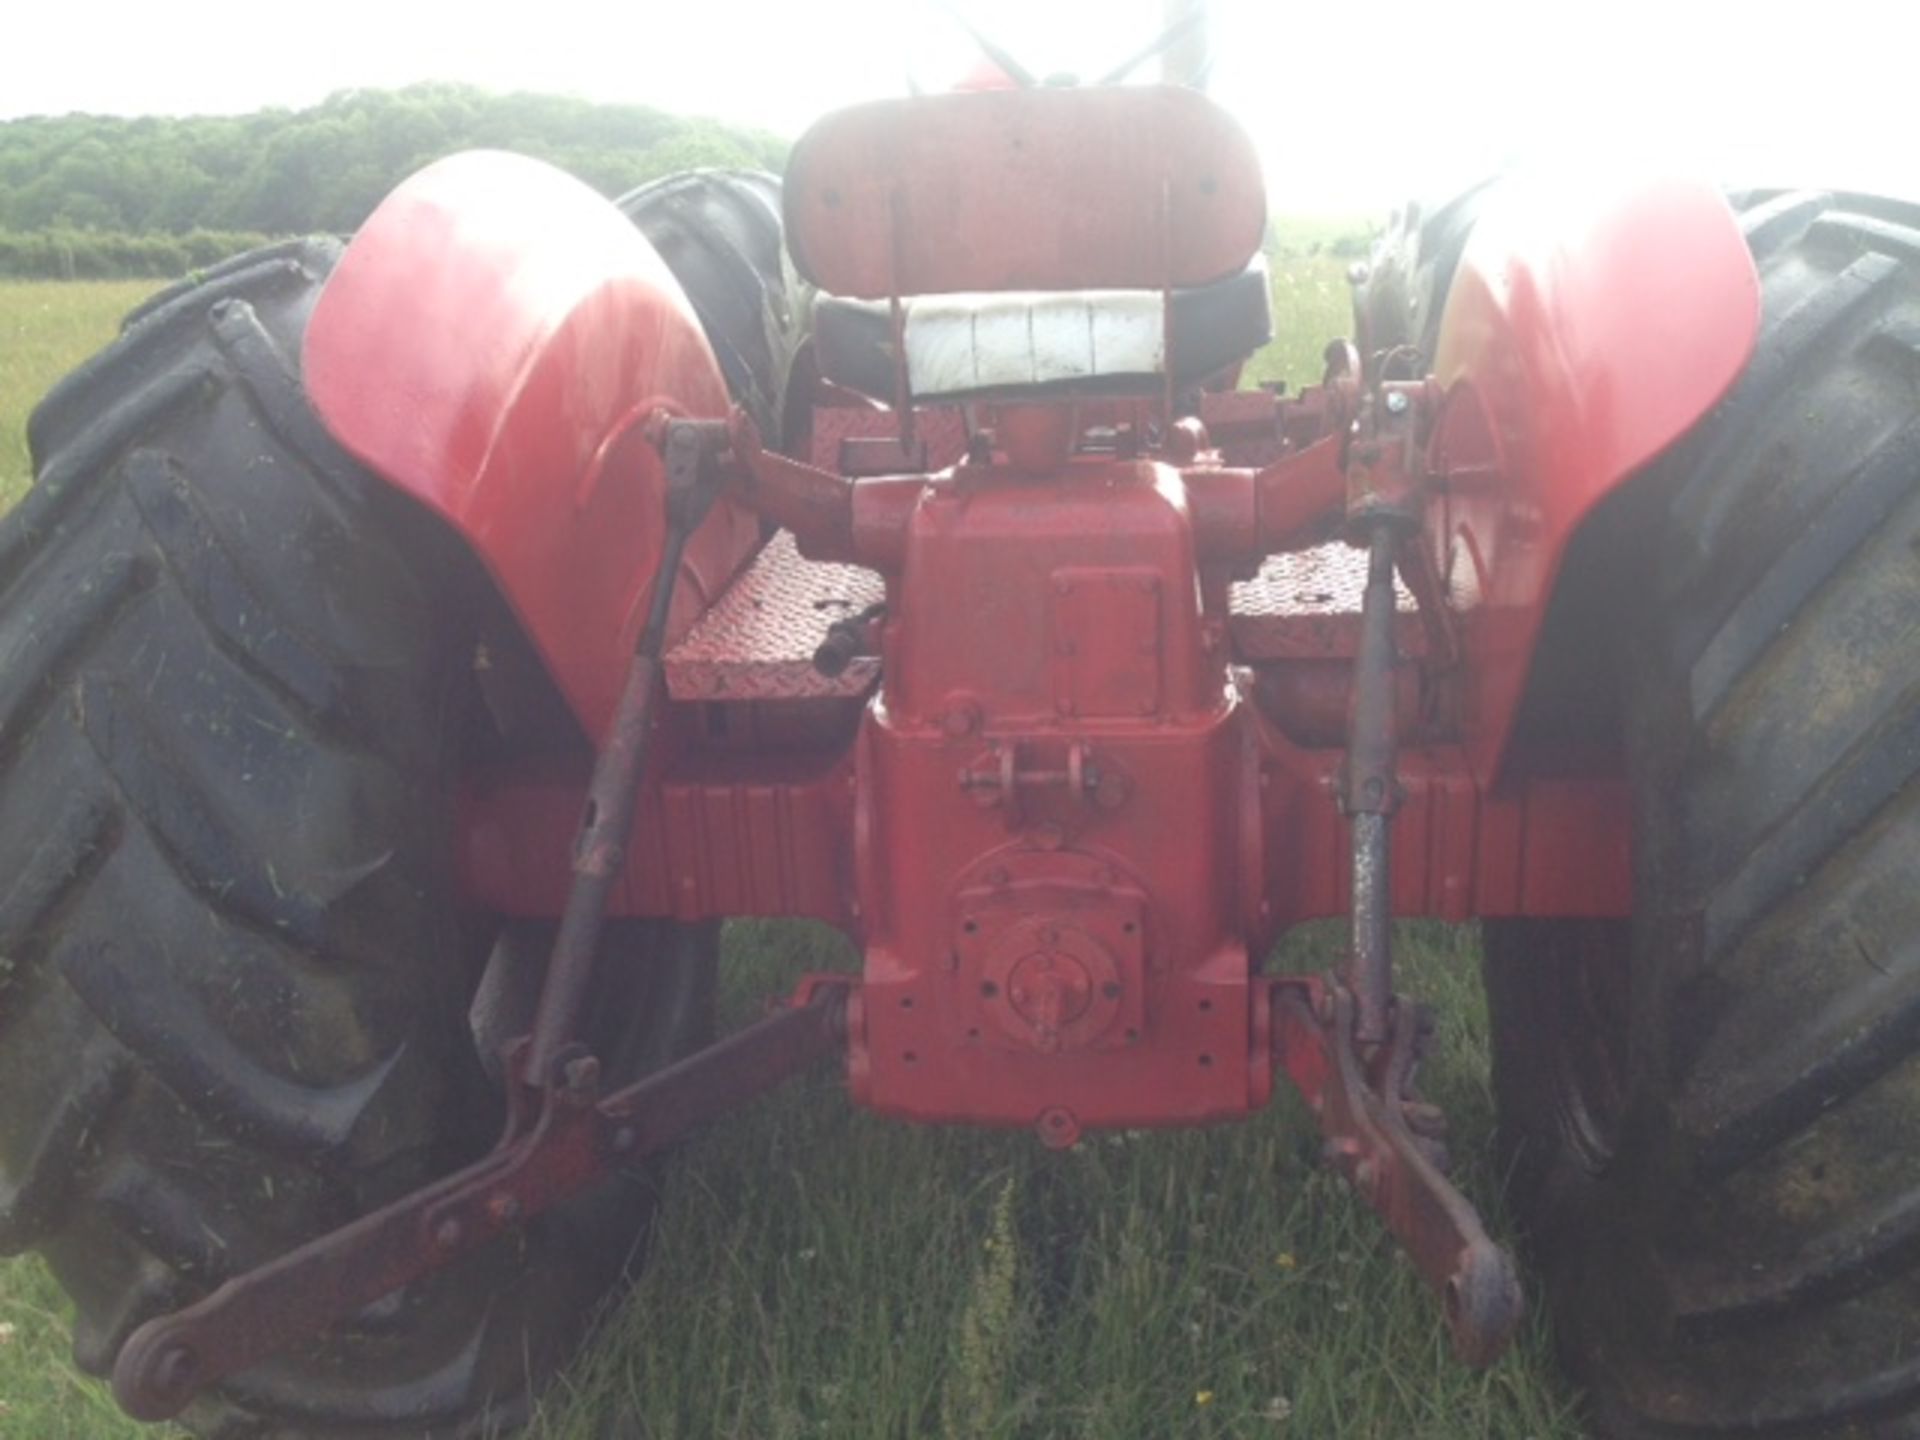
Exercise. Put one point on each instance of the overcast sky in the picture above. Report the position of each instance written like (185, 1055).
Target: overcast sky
(1353, 105)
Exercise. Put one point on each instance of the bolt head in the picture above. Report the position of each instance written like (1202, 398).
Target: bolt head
(582, 1074)
(1059, 1128)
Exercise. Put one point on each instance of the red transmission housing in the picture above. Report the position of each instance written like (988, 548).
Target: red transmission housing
(1100, 772)
(1051, 791)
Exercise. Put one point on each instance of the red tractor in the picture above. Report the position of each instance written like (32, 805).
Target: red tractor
(412, 651)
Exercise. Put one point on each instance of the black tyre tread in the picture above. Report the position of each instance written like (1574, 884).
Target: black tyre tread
(1409, 272)
(67, 479)
(48, 1138)
(130, 955)
(1749, 1265)
(74, 405)
(297, 248)
(228, 664)
(1818, 1001)
(212, 623)
(1861, 505)
(210, 580)
(1779, 220)
(1549, 1165)
(43, 655)
(720, 233)
(74, 839)
(1705, 515)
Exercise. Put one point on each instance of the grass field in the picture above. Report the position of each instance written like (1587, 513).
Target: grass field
(821, 1273)
(47, 328)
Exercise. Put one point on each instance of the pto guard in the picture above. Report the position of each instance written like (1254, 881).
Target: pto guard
(493, 343)
(1590, 325)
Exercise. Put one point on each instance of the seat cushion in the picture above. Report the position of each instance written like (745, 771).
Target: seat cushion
(1013, 343)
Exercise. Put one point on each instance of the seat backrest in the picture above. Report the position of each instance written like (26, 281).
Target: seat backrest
(1044, 189)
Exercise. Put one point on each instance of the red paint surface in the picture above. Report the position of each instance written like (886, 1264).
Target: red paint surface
(1049, 637)
(1064, 829)
(491, 343)
(1063, 832)
(1134, 187)
(774, 837)
(716, 835)
(1591, 324)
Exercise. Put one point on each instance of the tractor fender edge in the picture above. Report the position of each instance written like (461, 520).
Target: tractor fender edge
(1590, 325)
(491, 344)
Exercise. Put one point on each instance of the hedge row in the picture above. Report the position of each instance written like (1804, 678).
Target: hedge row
(110, 255)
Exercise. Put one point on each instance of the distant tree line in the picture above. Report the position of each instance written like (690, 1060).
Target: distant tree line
(84, 195)
(112, 255)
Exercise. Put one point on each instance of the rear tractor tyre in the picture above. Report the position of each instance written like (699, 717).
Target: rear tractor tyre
(1710, 1118)
(238, 1003)
(720, 233)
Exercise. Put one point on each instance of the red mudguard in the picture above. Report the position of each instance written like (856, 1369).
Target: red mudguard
(491, 343)
(1590, 325)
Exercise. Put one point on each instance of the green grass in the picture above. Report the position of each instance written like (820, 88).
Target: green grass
(1308, 258)
(821, 1272)
(46, 328)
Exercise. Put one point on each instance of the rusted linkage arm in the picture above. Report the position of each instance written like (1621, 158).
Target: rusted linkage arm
(1349, 1042)
(1386, 1144)
(1370, 792)
(578, 1139)
(606, 825)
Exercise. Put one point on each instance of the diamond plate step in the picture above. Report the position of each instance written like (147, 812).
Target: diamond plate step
(757, 642)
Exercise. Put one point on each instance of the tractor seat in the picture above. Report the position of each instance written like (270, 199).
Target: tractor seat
(1001, 344)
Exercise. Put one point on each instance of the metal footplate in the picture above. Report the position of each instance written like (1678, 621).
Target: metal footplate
(759, 640)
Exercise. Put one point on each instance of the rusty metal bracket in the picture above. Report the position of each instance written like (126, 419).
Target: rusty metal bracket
(1370, 791)
(577, 1139)
(606, 825)
(1387, 1144)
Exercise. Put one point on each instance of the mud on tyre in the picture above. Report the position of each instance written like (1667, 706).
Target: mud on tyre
(1727, 1211)
(239, 1004)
